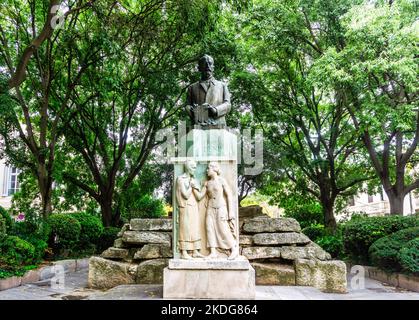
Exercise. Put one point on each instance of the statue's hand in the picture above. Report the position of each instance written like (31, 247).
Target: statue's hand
(212, 111)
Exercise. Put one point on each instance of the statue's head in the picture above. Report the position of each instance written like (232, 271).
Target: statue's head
(213, 169)
(190, 166)
(206, 66)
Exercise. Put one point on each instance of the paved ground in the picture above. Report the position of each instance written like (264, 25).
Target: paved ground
(76, 289)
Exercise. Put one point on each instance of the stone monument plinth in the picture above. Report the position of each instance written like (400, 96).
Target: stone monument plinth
(209, 279)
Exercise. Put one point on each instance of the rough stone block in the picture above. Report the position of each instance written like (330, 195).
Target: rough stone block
(245, 240)
(69, 265)
(327, 276)
(124, 228)
(154, 251)
(280, 238)
(307, 252)
(274, 274)
(115, 253)
(145, 237)
(266, 224)
(253, 253)
(105, 274)
(151, 224)
(151, 271)
(82, 264)
(119, 243)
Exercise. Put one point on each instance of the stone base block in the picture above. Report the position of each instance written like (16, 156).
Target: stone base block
(209, 279)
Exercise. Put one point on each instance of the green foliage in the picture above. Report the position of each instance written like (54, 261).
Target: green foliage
(8, 222)
(16, 252)
(34, 232)
(145, 207)
(314, 231)
(409, 256)
(65, 231)
(333, 244)
(107, 238)
(2, 228)
(384, 252)
(91, 228)
(359, 234)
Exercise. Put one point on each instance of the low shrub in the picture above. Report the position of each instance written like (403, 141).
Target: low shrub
(145, 207)
(2, 228)
(35, 233)
(333, 244)
(360, 233)
(384, 253)
(16, 252)
(314, 231)
(7, 219)
(409, 256)
(107, 238)
(65, 231)
(91, 228)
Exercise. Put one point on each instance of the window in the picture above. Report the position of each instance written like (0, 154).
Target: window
(11, 181)
(370, 199)
(351, 201)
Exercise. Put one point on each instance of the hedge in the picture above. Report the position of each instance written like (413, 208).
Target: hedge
(359, 234)
(409, 256)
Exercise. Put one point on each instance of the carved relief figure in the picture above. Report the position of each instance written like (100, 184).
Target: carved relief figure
(187, 200)
(220, 215)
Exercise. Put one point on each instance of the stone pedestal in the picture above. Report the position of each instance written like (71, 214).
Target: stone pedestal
(209, 279)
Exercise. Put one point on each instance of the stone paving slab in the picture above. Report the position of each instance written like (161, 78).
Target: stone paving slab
(76, 289)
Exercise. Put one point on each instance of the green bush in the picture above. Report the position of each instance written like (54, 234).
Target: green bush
(409, 256)
(107, 238)
(91, 228)
(360, 233)
(145, 207)
(65, 231)
(35, 233)
(333, 244)
(7, 219)
(384, 253)
(16, 252)
(2, 228)
(314, 231)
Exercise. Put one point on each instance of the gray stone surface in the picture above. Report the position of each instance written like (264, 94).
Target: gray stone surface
(30, 277)
(154, 251)
(105, 274)
(280, 238)
(151, 271)
(241, 263)
(266, 224)
(118, 243)
(76, 283)
(69, 265)
(274, 274)
(115, 253)
(319, 252)
(209, 284)
(253, 253)
(245, 240)
(151, 224)
(307, 252)
(124, 228)
(328, 276)
(145, 237)
(82, 264)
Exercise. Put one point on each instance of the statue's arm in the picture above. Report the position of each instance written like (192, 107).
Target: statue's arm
(229, 196)
(200, 194)
(225, 107)
(184, 191)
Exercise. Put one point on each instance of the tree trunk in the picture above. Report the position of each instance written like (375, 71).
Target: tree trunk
(45, 189)
(396, 203)
(106, 209)
(328, 212)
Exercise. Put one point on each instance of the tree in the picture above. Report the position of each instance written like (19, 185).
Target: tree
(134, 92)
(313, 137)
(375, 73)
(39, 79)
